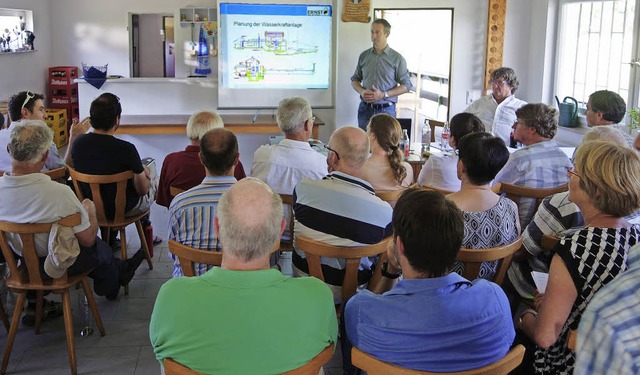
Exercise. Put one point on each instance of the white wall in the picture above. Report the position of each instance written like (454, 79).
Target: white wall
(28, 71)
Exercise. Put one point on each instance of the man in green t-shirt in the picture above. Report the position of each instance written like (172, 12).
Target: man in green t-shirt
(243, 317)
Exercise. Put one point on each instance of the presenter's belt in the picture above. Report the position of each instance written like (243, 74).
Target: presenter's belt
(380, 106)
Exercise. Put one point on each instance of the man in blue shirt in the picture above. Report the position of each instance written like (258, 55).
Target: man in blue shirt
(432, 320)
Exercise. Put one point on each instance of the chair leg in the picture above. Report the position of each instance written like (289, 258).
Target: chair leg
(39, 303)
(13, 330)
(143, 241)
(92, 304)
(123, 252)
(105, 233)
(3, 316)
(68, 330)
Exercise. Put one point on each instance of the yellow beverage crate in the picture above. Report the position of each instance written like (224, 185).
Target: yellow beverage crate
(57, 122)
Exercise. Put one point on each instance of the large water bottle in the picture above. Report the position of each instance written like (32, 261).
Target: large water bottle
(406, 143)
(444, 137)
(426, 135)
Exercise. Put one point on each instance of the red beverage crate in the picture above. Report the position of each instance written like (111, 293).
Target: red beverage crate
(62, 75)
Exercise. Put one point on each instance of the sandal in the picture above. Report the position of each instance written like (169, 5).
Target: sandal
(157, 240)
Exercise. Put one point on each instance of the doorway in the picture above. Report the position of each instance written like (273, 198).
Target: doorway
(152, 47)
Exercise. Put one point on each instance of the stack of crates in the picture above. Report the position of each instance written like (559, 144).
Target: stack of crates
(57, 122)
(63, 91)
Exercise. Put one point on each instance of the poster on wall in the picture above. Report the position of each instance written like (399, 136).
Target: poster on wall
(356, 11)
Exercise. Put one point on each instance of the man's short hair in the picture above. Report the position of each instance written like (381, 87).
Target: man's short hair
(483, 156)
(16, 104)
(465, 123)
(104, 111)
(611, 105)
(541, 117)
(29, 141)
(249, 223)
(219, 148)
(431, 228)
(384, 23)
(353, 148)
(508, 75)
(292, 114)
(201, 122)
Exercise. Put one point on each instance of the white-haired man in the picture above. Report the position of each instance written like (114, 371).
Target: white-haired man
(229, 320)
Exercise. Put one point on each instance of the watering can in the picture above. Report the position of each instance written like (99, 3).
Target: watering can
(568, 112)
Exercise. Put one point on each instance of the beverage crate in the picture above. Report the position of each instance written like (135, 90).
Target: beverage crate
(67, 98)
(62, 75)
(57, 122)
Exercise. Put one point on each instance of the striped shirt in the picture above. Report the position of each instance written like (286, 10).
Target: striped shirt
(540, 165)
(609, 332)
(191, 218)
(340, 210)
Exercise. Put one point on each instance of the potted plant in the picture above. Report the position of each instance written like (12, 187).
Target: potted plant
(634, 119)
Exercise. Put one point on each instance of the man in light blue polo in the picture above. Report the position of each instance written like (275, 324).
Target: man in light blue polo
(380, 77)
(191, 213)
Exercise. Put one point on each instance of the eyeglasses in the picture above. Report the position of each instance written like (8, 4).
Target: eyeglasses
(496, 82)
(30, 96)
(571, 172)
(332, 150)
(312, 119)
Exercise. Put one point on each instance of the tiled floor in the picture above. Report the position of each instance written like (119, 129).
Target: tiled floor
(125, 349)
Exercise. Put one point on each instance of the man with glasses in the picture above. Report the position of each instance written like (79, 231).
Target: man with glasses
(341, 209)
(607, 108)
(498, 109)
(27, 105)
(281, 166)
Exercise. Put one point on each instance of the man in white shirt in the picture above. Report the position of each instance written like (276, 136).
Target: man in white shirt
(281, 166)
(607, 108)
(498, 109)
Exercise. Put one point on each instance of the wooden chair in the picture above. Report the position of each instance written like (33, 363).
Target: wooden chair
(58, 174)
(188, 256)
(572, 336)
(548, 242)
(374, 366)
(312, 367)
(390, 196)
(443, 191)
(314, 250)
(432, 125)
(27, 276)
(515, 192)
(119, 221)
(473, 259)
(175, 191)
(287, 199)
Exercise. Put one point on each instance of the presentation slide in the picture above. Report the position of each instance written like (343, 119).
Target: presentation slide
(275, 46)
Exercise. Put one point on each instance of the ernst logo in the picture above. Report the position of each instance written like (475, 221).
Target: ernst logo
(318, 12)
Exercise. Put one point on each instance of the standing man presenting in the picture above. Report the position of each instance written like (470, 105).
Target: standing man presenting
(380, 77)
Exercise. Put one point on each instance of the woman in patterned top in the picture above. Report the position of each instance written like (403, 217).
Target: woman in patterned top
(490, 220)
(606, 187)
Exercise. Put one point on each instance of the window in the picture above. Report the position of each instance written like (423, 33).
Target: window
(16, 30)
(596, 49)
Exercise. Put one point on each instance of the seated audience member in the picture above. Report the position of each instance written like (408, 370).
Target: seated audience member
(26, 105)
(101, 153)
(498, 109)
(541, 163)
(490, 220)
(555, 217)
(31, 197)
(440, 170)
(386, 169)
(606, 187)
(607, 108)
(340, 209)
(229, 320)
(183, 169)
(283, 165)
(191, 212)
(431, 320)
(608, 332)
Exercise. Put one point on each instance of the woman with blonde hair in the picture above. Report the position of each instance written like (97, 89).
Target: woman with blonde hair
(605, 185)
(386, 169)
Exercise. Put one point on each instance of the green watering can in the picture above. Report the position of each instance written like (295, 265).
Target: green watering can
(568, 112)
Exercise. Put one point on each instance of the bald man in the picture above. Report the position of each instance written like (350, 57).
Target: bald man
(341, 209)
(229, 320)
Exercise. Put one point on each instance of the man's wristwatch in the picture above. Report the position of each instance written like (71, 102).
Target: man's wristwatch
(386, 94)
(386, 273)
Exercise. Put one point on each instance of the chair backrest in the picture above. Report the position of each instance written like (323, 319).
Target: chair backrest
(287, 199)
(94, 182)
(374, 366)
(27, 233)
(514, 192)
(432, 125)
(443, 191)
(548, 242)
(188, 255)
(57, 174)
(173, 191)
(312, 367)
(314, 250)
(390, 196)
(473, 259)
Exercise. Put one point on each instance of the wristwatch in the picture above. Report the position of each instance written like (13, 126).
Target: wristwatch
(386, 94)
(386, 273)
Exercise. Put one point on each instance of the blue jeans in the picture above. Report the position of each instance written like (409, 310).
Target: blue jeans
(366, 110)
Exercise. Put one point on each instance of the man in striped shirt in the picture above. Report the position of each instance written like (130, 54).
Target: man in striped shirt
(342, 208)
(191, 213)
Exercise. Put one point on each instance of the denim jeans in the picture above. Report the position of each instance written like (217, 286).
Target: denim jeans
(365, 111)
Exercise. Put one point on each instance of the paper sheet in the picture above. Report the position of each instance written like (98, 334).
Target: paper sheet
(540, 279)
